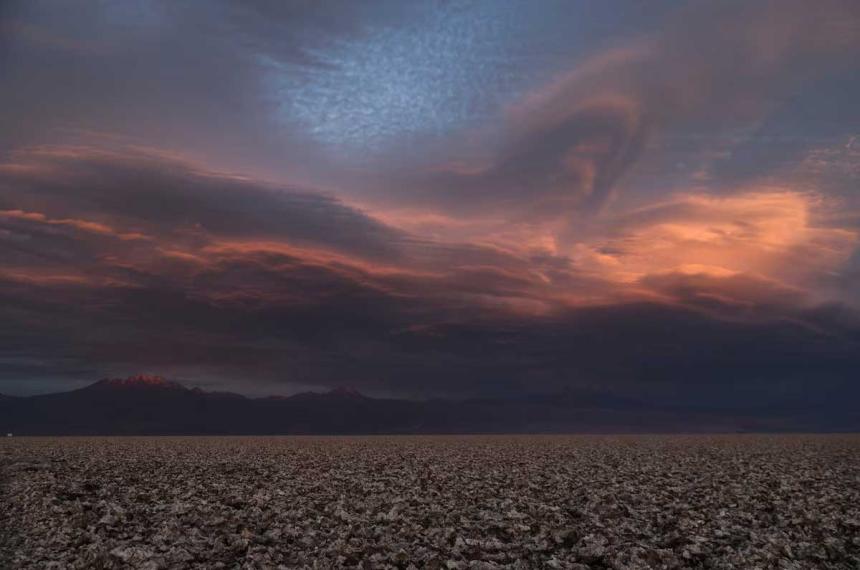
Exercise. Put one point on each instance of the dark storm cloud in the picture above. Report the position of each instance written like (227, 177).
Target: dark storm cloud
(164, 195)
(365, 338)
(144, 249)
(120, 261)
(653, 350)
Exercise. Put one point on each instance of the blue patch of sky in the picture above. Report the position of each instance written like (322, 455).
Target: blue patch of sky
(450, 66)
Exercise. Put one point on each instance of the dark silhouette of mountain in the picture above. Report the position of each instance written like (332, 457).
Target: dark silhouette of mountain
(139, 382)
(150, 405)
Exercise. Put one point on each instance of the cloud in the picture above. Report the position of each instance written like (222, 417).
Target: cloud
(775, 232)
(564, 147)
(153, 192)
(505, 266)
(123, 261)
(190, 76)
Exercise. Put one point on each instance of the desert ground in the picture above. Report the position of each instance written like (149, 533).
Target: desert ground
(740, 501)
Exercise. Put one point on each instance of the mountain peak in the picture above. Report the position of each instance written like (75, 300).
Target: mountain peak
(339, 393)
(139, 381)
(345, 392)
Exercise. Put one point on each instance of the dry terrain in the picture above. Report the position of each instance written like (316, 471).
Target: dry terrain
(432, 502)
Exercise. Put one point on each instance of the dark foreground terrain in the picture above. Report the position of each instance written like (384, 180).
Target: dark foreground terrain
(432, 502)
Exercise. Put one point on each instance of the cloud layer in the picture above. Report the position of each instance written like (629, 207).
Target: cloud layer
(241, 195)
(119, 260)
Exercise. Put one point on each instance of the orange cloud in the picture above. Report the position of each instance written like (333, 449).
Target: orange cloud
(765, 238)
(771, 232)
(62, 277)
(82, 225)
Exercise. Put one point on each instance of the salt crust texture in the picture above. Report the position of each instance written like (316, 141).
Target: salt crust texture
(574, 502)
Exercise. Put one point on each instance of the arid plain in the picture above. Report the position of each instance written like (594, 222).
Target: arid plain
(734, 501)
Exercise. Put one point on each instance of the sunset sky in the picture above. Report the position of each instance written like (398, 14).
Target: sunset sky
(434, 199)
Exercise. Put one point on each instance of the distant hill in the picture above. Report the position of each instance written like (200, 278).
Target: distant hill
(150, 405)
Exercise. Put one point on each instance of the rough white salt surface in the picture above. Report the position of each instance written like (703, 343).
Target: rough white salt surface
(431, 502)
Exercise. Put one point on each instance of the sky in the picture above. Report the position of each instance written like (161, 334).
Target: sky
(434, 199)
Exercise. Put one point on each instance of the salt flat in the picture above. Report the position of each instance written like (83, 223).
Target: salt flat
(432, 502)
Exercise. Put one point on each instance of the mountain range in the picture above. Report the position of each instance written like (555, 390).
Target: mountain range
(151, 405)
